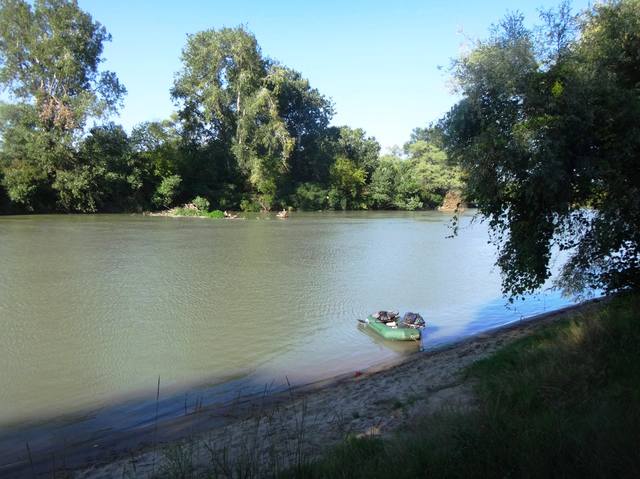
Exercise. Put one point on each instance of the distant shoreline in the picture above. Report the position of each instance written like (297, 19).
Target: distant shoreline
(166, 213)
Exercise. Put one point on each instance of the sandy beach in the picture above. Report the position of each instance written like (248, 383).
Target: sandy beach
(308, 420)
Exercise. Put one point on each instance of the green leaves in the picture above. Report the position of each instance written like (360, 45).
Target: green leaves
(167, 191)
(50, 56)
(420, 180)
(249, 132)
(348, 181)
(548, 133)
(263, 113)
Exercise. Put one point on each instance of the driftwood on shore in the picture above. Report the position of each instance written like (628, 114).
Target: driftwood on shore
(190, 210)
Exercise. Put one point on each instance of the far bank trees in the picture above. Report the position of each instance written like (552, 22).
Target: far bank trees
(249, 133)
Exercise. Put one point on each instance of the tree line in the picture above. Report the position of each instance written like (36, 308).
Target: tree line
(545, 138)
(249, 133)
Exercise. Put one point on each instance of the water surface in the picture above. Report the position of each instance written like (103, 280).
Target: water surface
(94, 308)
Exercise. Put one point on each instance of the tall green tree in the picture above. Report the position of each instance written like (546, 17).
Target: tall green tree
(29, 158)
(432, 173)
(158, 146)
(382, 189)
(354, 144)
(354, 158)
(348, 182)
(549, 136)
(419, 179)
(223, 94)
(306, 114)
(50, 52)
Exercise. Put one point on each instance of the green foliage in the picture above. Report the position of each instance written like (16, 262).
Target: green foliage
(548, 134)
(354, 157)
(182, 211)
(310, 196)
(50, 57)
(348, 182)
(25, 184)
(215, 214)
(382, 189)
(29, 157)
(306, 114)
(249, 205)
(119, 176)
(432, 134)
(103, 174)
(420, 180)
(354, 145)
(167, 191)
(158, 145)
(432, 173)
(78, 189)
(229, 91)
(201, 209)
(50, 53)
(411, 204)
(250, 133)
(202, 204)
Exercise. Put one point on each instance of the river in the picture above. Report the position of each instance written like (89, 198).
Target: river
(93, 309)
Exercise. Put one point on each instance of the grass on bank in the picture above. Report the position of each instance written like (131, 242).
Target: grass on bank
(562, 403)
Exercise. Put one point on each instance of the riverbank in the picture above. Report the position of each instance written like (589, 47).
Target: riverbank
(198, 208)
(561, 402)
(283, 431)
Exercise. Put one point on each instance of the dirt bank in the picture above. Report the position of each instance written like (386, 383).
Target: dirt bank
(305, 421)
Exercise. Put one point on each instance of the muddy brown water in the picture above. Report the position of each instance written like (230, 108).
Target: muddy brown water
(93, 309)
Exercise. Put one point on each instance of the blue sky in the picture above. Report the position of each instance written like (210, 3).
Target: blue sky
(378, 60)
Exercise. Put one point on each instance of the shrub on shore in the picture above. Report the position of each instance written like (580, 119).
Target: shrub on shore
(216, 214)
(199, 206)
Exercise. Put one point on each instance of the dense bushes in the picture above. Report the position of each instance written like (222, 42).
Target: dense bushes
(111, 171)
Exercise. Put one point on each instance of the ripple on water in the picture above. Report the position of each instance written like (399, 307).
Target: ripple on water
(96, 307)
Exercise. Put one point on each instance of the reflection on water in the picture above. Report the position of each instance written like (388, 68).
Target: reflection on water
(94, 308)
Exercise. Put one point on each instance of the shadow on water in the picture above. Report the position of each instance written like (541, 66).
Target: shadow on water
(500, 312)
(92, 437)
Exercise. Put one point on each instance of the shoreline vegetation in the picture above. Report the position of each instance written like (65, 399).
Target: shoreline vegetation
(345, 427)
(543, 139)
(248, 133)
(199, 208)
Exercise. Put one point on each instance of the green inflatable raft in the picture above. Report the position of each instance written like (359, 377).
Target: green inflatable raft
(393, 334)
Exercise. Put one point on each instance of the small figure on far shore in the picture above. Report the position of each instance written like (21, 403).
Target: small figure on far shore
(283, 214)
(230, 216)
